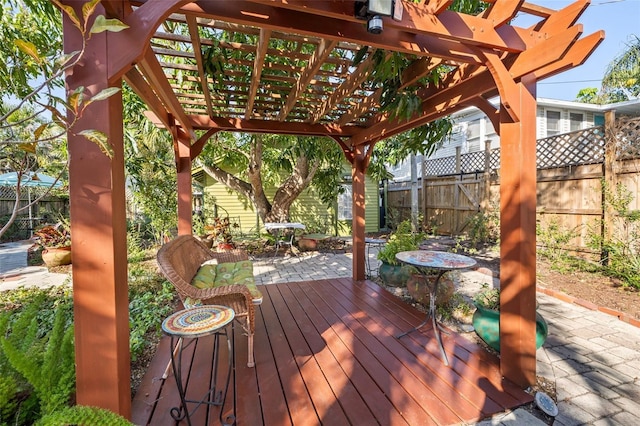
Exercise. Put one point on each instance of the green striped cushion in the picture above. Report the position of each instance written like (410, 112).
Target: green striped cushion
(209, 276)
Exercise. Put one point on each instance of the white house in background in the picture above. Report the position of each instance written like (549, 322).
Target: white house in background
(471, 128)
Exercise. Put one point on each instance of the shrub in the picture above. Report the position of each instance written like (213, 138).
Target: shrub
(37, 364)
(488, 298)
(400, 240)
(621, 249)
(554, 239)
(484, 227)
(37, 344)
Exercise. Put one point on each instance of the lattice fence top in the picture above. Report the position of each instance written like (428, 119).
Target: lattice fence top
(494, 159)
(9, 192)
(441, 166)
(569, 149)
(472, 162)
(627, 138)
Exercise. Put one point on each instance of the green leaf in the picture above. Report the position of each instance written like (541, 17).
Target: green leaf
(70, 12)
(75, 99)
(103, 24)
(104, 94)
(360, 55)
(100, 139)
(57, 116)
(28, 147)
(63, 60)
(38, 132)
(29, 48)
(88, 8)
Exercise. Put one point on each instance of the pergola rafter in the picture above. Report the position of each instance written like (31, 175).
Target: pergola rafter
(287, 66)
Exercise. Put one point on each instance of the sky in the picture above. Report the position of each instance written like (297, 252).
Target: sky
(620, 20)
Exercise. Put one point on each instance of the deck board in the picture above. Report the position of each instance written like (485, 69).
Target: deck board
(326, 354)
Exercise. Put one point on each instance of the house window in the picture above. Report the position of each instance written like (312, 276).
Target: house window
(553, 123)
(473, 129)
(345, 203)
(598, 120)
(575, 121)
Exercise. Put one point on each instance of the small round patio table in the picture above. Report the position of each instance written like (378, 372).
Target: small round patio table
(193, 323)
(425, 261)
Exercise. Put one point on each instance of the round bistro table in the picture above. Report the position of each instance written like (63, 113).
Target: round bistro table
(193, 323)
(425, 261)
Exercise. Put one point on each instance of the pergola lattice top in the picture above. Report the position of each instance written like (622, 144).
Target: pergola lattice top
(287, 66)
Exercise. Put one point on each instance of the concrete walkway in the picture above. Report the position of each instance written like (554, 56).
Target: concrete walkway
(15, 273)
(593, 358)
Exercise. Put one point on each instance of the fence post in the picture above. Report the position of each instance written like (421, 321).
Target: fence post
(485, 203)
(610, 181)
(456, 191)
(425, 213)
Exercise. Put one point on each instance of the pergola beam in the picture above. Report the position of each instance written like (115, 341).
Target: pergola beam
(261, 126)
(315, 62)
(318, 25)
(347, 87)
(197, 50)
(153, 73)
(575, 56)
(261, 52)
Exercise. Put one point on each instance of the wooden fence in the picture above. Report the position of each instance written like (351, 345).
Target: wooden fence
(47, 209)
(570, 193)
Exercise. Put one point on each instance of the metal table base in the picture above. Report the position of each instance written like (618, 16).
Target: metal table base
(433, 291)
(189, 325)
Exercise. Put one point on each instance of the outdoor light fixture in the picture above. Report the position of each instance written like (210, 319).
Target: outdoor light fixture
(374, 24)
(380, 7)
(373, 10)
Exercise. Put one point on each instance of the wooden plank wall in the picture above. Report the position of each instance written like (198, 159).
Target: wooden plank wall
(571, 198)
(451, 201)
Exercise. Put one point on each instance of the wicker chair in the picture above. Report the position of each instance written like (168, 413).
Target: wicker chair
(179, 261)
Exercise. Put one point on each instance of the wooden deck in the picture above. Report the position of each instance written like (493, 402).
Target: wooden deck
(326, 354)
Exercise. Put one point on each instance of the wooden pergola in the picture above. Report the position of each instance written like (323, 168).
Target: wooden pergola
(309, 88)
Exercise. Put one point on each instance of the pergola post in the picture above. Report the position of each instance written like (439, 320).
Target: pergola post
(98, 230)
(358, 169)
(518, 233)
(185, 203)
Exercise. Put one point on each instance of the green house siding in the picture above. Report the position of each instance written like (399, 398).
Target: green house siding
(236, 206)
(372, 206)
(307, 209)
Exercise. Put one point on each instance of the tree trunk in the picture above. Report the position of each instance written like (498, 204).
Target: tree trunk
(300, 178)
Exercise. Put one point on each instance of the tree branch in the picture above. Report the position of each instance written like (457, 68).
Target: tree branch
(226, 178)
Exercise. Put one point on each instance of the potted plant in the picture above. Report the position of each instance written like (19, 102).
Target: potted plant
(418, 287)
(391, 271)
(486, 318)
(55, 241)
(220, 233)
